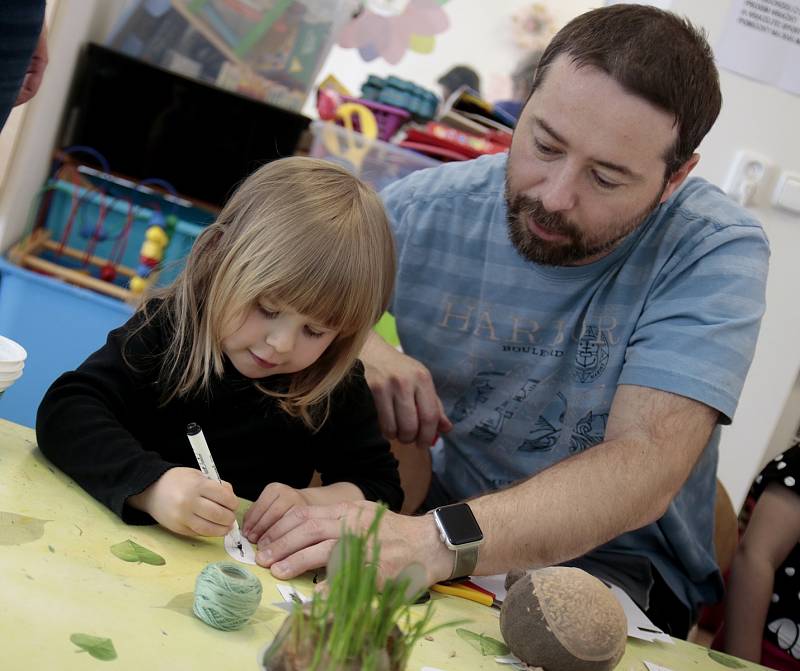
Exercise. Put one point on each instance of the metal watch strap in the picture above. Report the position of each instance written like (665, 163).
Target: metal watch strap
(464, 562)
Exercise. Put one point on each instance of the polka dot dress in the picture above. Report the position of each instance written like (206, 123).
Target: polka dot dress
(783, 617)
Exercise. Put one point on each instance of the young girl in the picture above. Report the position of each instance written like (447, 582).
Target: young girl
(762, 611)
(256, 341)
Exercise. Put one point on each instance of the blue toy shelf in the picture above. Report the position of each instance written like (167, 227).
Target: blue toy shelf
(58, 324)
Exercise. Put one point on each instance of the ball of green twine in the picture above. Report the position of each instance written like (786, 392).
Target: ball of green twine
(226, 595)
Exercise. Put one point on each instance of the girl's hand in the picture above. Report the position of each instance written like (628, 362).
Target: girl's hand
(185, 501)
(274, 502)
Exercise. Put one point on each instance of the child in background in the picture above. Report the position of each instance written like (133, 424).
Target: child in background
(256, 341)
(762, 609)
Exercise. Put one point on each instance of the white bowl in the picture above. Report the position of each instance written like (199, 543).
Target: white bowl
(11, 352)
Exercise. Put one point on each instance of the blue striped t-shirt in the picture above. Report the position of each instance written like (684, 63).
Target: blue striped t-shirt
(527, 358)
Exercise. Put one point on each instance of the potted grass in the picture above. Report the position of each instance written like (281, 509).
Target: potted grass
(354, 626)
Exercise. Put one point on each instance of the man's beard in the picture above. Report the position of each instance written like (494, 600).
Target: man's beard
(578, 246)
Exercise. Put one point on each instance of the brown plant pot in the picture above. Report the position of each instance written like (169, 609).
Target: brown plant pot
(286, 653)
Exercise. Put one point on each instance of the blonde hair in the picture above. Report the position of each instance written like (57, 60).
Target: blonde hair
(305, 233)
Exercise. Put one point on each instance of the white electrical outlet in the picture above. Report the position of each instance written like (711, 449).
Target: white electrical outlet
(749, 172)
(787, 192)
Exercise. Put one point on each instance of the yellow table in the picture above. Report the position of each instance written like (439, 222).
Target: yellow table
(58, 577)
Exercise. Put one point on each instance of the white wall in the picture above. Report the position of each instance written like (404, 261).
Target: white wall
(759, 117)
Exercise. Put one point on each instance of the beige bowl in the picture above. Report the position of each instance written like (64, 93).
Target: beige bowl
(10, 377)
(11, 366)
(12, 361)
(11, 354)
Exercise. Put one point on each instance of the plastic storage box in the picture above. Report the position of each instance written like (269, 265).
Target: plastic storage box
(376, 162)
(270, 51)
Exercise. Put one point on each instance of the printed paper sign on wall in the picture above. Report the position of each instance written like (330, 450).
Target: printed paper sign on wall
(761, 40)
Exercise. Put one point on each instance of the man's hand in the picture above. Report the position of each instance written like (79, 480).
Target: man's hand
(304, 538)
(409, 409)
(185, 501)
(35, 71)
(272, 505)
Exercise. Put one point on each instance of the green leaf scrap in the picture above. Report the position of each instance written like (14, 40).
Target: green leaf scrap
(99, 648)
(133, 552)
(20, 529)
(486, 645)
(726, 660)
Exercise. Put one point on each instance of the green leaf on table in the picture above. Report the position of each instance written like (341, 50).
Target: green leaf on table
(20, 529)
(486, 645)
(99, 648)
(726, 660)
(133, 552)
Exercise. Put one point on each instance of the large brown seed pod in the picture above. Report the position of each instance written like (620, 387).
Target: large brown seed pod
(563, 619)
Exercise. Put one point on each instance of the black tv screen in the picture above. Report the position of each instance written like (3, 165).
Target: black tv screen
(149, 122)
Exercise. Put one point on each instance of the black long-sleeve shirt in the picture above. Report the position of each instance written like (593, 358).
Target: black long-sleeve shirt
(103, 425)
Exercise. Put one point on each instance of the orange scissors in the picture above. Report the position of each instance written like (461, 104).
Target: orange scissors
(466, 589)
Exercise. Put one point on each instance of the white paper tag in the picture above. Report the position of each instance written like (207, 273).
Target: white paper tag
(516, 663)
(655, 667)
(508, 659)
(242, 553)
(290, 594)
(639, 625)
(496, 584)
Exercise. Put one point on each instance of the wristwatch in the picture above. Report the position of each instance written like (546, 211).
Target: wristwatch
(462, 534)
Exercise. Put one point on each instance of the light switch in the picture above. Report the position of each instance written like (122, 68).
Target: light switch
(787, 192)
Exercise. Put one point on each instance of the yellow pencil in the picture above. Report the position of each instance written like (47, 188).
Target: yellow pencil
(465, 593)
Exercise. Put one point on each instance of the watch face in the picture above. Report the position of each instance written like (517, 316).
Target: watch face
(460, 524)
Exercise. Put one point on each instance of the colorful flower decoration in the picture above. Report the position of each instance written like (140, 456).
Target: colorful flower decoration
(388, 28)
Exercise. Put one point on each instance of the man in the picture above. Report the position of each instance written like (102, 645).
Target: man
(578, 320)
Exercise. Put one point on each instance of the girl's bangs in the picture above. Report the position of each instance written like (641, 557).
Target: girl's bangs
(330, 292)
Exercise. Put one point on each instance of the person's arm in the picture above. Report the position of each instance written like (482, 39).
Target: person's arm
(85, 422)
(84, 426)
(772, 532)
(35, 71)
(652, 442)
(409, 409)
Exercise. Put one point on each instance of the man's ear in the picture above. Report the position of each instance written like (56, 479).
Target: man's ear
(677, 177)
